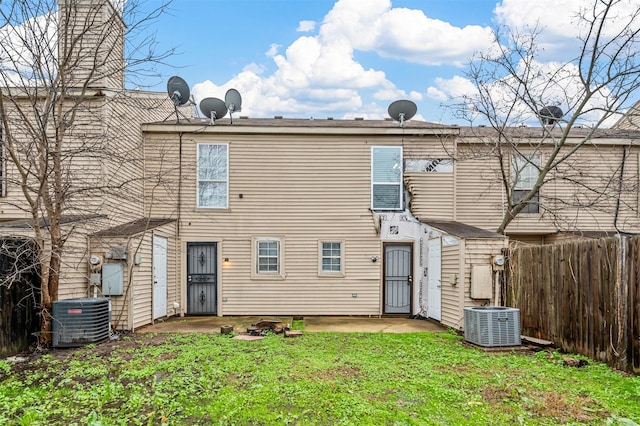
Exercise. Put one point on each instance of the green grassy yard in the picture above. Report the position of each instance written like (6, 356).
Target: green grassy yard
(316, 379)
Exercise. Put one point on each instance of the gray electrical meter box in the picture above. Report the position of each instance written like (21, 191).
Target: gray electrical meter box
(112, 279)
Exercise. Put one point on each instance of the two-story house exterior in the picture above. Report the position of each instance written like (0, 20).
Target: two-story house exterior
(306, 216)
(359, 217)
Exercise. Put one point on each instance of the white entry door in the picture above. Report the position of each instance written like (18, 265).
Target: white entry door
(434, 291)
(159, 277)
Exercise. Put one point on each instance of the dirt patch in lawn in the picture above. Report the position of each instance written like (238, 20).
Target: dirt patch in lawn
(548, 404)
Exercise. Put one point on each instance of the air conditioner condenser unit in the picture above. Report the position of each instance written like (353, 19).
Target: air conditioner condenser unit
(492, 326)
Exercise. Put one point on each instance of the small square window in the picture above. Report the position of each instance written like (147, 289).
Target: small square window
(268, 262)
(267, 256)
(331, 260)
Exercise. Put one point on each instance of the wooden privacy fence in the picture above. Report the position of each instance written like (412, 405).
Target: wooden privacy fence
(19, 296)
(584, 296)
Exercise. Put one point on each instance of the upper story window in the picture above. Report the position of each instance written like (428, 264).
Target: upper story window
(213, 175)
(386, 178)
(525, 170)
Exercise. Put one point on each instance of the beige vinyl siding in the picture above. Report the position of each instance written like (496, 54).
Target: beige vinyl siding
(301, 189)
(479, 197)
(141, 290)
(124, 164)
(452, 295)
(174, 294)
(120, 305)
(302, 291)
(478, 252)
(432, 195)
(95, 49)
(581, 194)
(134, 308)
(527, 239)
(591, 180)
(143, 279)
(104, 157)
(74, 270)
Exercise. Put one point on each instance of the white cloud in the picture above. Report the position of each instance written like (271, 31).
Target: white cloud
(553, 83)
(401, 33)
(273, 50)
(318, 73)
(436, 94)
(561, 22)
(25, 45)
(306, 26)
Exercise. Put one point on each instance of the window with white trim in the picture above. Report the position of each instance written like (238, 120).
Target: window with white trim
(331, 258)
(268, 261)
(268, 256)
(386, 178)
(525, 170)
(213, 175)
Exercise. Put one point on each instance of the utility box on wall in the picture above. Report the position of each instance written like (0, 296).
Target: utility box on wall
(113, 279)
(481, 282)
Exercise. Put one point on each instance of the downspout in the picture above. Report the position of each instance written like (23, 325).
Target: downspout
(179, 180)
(624, 160)
(132, 296)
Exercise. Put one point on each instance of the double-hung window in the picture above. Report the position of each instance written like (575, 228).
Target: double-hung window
(213, 175)
(331, 258)
(525, 170)
(268, 261)
(386, 178)
(268, 256)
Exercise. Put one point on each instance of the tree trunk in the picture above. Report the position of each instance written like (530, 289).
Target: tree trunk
(50, 285)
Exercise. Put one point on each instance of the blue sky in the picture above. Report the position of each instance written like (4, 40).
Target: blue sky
(236, 43)
(349, 58)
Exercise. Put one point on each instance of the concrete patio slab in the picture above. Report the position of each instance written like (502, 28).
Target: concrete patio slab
(340, 324)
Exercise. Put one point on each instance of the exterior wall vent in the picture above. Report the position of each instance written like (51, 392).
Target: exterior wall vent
(77, 322)
(492, 326)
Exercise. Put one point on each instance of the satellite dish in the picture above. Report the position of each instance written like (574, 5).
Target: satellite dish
(233, 101)
(213, 108)
(178, 90)
(550, 114)
(402, 110)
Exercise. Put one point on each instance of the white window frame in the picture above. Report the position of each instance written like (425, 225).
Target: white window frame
(224, 180)
(255, 256)
(397, 183)
(525, 170)
(331, 273)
